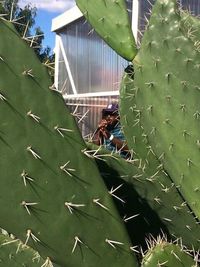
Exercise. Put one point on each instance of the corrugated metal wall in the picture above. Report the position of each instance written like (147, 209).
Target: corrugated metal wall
(192, 5)
(95, 67)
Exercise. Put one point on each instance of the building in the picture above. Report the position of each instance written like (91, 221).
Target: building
(88, 72)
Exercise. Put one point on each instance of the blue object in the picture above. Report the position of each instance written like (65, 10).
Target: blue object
(116, 132)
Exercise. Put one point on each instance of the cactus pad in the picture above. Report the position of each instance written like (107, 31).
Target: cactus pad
(110, 20)
(167, 99)
(51, 194)
(14, 254)
(148, 195)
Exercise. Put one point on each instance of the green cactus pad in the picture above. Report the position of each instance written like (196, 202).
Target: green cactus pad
(110, 20)
(167, 99)
(190, 25)
(51, 194)
(14, 254)
(168, 255)
(150, 196)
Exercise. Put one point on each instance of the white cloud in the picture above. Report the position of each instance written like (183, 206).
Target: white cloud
(49, 5)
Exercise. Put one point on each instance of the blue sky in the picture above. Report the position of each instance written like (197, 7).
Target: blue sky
(43, 20)
(46, 11)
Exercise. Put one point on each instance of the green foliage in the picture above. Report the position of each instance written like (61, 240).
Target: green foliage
(24, 20)
(23, 17)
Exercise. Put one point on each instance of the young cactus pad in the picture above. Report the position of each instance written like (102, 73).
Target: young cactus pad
(167, 99)
(190, 25)
(110, 20)
(168, 255)
(52, 196)
(14, 254)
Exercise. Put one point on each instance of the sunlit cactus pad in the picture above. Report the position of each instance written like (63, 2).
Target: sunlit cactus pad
(111, 21)
(166, 98)
(52, 196)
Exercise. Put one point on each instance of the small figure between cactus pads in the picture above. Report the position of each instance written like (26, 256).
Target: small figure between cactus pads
(109, 132)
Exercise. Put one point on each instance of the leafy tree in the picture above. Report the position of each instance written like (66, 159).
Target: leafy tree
(24, 20)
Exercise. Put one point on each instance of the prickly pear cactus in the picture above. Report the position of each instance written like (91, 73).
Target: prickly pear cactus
(150, 204)
(51, 195)
(110, 20)
(190, 26)
(162, 107)
(14, 254)
(168, 255)
(166, 97)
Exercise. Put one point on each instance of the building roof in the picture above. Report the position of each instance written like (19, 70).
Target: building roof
(66, 18)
